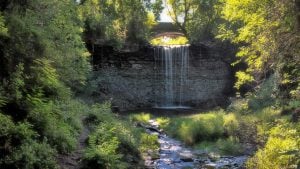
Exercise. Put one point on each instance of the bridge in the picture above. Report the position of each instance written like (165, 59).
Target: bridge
(166, 29)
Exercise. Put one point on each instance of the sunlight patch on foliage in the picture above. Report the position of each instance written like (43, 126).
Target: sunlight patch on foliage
(160, 41)
(281, 149)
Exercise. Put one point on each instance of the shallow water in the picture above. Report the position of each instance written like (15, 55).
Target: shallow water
(174, 155)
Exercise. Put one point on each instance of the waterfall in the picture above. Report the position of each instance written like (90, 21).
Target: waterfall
(171, 65)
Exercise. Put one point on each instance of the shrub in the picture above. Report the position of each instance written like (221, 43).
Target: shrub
(283, 140)
(102, 150)
(231, 124)
(47, 120)
(239, 105)
(113, 143)
(142, 117)
(230, 146)
(208, 146)
(163, 122)
(265, 95)
(267, 114)
(148, 142)
(225, 146)
(20, 149)
(33, 155)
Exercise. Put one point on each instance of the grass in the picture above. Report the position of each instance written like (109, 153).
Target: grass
(223, 146)
(141, 118)
(201, 127)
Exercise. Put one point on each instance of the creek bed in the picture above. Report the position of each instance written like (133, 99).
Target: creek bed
(173, 154)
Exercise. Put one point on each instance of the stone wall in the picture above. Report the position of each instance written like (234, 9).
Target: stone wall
(131, 79)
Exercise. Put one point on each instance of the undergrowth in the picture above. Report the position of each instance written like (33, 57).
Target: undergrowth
(115, 143)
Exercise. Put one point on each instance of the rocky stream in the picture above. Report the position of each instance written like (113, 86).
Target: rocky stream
(173, 154)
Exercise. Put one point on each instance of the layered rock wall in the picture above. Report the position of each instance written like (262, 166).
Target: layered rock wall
(132, 80)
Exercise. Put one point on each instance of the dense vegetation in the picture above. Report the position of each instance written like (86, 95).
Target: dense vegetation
(44, 66)
(268, 59)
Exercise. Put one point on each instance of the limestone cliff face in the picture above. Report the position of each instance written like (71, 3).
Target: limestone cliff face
(133, 80)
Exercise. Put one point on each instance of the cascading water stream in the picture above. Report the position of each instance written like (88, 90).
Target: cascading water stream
(172, 64)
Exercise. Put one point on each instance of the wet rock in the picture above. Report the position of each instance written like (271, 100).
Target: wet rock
(201, 161)
(186, 156)
(228, 166)
(209, 166)
(186, 159)
(213, 156)
(153, 129)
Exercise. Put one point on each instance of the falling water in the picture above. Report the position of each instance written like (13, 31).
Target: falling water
(173, 68)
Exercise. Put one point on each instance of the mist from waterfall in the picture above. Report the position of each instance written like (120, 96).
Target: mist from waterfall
(172, 64)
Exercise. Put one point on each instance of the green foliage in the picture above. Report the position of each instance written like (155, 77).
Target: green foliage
(54, 39)
(140, 117)
(16, 83)
(56, 124)
(268, 39)
(265, 95)
(243, 79)
(33, 155)
(20, 150)
(196, 19)
(102, 150)
(239, 105)
(275, 154)
(148, 142)
(229, 146)
(169, 41)
(3, 29)
(113, 143)
(201, 127)
(223, 146)
(118, 21)
(231, 124)
(43, 62)
(163, 121)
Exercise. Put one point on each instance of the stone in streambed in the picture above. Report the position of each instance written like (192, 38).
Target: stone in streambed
(186, 156)
(213, 156)
(209, 166)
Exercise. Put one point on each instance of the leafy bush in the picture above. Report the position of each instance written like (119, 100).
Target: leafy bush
(268, 114)
(231, 124)
(280, 150)
(20, 149)
(163, 122)
(33, 155)
(208, 146)
(102, 150)
(47, 120)
(141, 117)
(265, 95)
(239, 106)
(230, 146)
(148, 142)
(113, 143)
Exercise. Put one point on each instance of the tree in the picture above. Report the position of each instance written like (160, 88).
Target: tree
(119, 21)
(50, 30)
(196, 19)
(269, 39)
